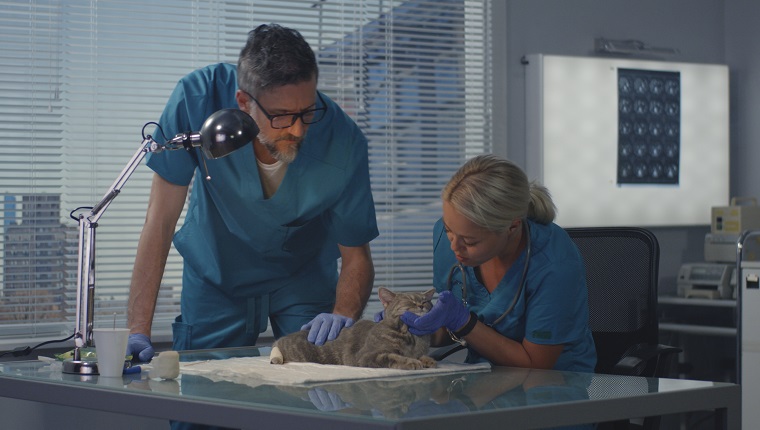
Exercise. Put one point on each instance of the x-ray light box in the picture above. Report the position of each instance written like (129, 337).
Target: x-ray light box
(628, 142)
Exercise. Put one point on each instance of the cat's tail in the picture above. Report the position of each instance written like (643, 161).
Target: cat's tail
(275, 357)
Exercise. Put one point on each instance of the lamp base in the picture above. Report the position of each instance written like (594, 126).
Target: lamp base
(80, 367)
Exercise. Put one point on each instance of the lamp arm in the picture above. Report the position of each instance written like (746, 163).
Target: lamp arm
(147, 145)
(223, 132)
(86, 248)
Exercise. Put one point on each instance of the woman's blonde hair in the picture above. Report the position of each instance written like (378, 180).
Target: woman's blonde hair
(492, 192)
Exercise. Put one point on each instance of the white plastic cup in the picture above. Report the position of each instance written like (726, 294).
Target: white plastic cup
(111, 350)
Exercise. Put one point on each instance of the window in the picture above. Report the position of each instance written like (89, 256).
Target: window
(80, 79)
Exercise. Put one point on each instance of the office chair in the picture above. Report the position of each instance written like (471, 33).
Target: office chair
(622, 265)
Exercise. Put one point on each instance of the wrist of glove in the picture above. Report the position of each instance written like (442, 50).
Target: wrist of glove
(448, 312)
(325, 327)
(140, 347)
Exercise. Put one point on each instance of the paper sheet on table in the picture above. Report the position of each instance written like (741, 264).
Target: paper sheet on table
(255, 371)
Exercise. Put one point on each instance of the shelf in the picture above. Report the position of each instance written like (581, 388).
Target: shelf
(699, 329)
(672, 300)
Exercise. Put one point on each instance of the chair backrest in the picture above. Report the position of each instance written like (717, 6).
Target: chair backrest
(622, 266)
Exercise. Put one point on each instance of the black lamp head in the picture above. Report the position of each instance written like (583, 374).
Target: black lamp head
(225, 131)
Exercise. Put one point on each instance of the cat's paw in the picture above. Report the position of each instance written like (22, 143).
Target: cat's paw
(275, 357)
(406, 363)
(412, 364)
(428, 362)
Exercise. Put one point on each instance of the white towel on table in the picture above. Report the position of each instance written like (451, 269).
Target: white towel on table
(255, 371)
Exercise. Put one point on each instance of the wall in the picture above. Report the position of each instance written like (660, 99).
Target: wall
(695, 27)
(743, 57)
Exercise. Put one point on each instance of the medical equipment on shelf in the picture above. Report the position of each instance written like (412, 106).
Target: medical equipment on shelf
(736, 217)
(721, 248)
(707, 280)
(521, 285)
(726, 225)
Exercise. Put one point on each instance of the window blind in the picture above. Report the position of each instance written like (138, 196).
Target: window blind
(80, 79)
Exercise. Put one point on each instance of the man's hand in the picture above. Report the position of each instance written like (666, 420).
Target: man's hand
(140, 348)
(326, 327)
(447, 312)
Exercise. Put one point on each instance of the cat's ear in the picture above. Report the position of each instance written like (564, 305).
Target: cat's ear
(429, 294)
(386, 295)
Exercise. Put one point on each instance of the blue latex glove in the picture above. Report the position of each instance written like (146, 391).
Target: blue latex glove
(447, 312)
(326, 401)
(140, 348)
(379, 316)
(326, 327)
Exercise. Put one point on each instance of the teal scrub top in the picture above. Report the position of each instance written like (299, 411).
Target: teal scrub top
(235, 239)
(552, 309)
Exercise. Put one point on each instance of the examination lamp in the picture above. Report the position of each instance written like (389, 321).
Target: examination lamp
(223, 132)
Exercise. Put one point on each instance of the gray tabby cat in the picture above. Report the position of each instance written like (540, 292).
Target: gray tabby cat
(387, 343)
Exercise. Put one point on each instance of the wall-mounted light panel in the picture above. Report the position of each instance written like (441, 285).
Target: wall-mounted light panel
(628, 142)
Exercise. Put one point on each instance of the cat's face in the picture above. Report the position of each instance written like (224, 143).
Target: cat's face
(398, 303)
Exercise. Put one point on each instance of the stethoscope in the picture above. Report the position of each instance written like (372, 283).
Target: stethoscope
(460, 267)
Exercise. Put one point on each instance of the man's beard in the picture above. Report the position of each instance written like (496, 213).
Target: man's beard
(293, 145)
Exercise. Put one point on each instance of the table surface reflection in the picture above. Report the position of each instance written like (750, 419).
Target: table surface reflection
(525, 398)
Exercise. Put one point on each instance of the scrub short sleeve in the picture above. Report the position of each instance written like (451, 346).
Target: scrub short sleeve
(177, 166)
(196, 96)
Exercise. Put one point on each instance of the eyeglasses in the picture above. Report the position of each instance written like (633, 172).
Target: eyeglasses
(285, 120)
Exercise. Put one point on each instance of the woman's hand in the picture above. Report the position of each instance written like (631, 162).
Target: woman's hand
(447, 312)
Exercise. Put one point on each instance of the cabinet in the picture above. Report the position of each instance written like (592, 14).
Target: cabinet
(706, 331)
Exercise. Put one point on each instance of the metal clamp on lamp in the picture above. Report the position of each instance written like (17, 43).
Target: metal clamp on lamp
(222, 133)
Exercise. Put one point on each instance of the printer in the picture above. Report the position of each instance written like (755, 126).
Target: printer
(707, 281)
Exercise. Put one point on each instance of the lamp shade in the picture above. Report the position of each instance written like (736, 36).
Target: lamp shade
(225, 131)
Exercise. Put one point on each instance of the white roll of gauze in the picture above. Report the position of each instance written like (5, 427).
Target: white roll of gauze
(275, 357)
(165, 365)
